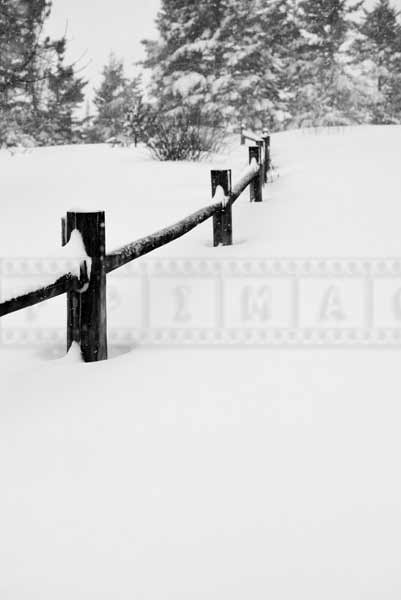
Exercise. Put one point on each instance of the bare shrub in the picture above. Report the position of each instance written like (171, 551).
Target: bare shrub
(188, 133)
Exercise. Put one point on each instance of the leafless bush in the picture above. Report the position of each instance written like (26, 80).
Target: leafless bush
(188, 133)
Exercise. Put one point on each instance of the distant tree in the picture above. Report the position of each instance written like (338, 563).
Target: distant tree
(325, 90)
(378, 49)
(122, 113)
(86, 125)
(110, 100)
(138, 114)
(65, 94)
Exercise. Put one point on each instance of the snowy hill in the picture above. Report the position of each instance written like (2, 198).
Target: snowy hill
(329, 182)
(190, 473)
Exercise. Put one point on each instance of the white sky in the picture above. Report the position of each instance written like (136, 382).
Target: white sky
(97, 27)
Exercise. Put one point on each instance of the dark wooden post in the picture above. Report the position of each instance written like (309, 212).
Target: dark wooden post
(256, 185)
(86, 310)
(222, 220)
(243, 134)
(267, 161)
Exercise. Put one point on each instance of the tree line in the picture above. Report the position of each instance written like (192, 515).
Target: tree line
(280, 63)
(275, 63)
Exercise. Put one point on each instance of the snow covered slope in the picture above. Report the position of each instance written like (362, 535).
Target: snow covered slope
(344, 183)
(221, 474)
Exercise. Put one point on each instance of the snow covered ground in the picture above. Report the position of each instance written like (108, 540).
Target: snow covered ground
(203, 473)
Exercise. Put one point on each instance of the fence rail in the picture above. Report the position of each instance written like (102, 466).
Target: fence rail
(61, 286)
(86, 295)
(143, 246)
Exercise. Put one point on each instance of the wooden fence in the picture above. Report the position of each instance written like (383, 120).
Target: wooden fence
(86, 294)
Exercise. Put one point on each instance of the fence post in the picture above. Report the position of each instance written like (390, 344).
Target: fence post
(222, 220)
(256, 183)
(260, 143)
(86, 311)
(267, 161)
(243, 140)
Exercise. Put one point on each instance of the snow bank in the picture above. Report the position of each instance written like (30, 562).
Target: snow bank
(223, 473)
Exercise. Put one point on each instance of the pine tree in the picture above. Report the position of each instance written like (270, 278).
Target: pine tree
(65, 95)
(21, 47)
(111, 100)
(257, 37)
(21, 24)
(325, 92)
(38, 91)
(186, 57)
(378, 49)
(138, 113)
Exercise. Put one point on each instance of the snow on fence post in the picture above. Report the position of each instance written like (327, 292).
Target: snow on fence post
(86, 310)
(222, 219)
(73, 298)
(243, 127)
(255, 153)
(267, 161)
